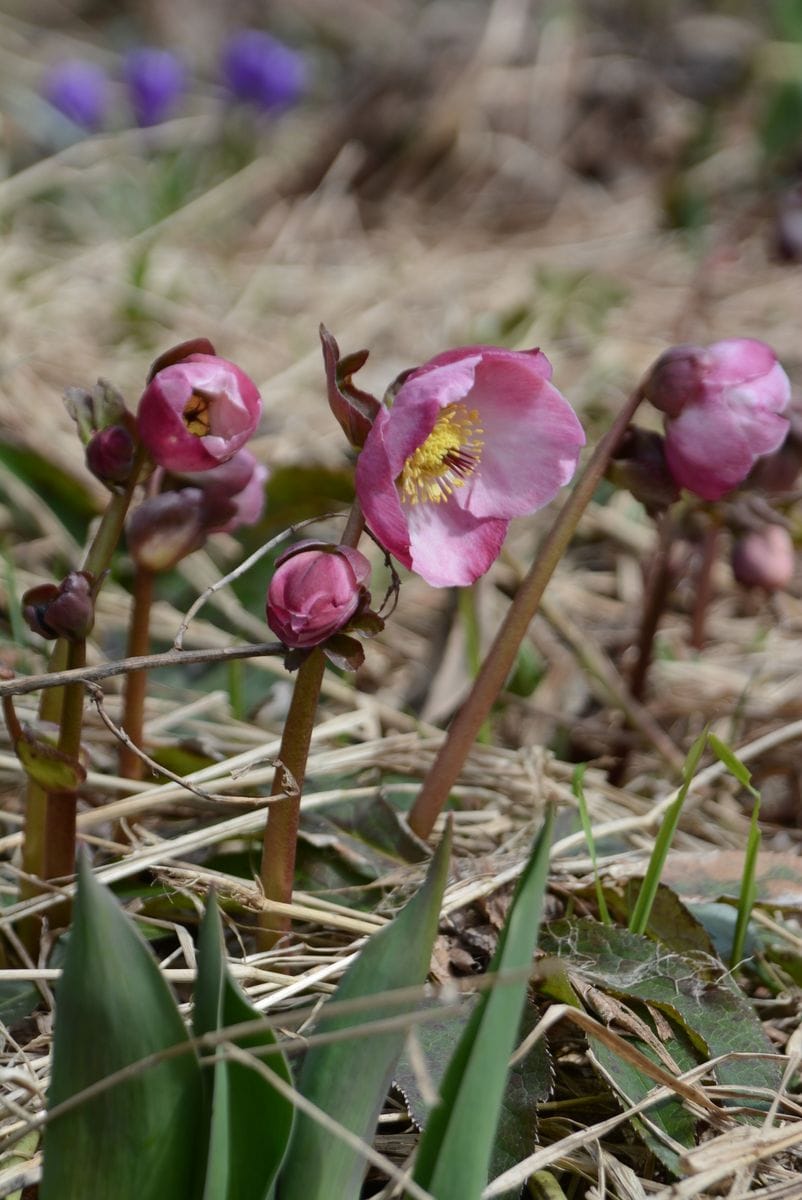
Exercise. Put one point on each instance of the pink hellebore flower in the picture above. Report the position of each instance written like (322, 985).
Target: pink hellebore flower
(474, 437)
(315, 591)
(764, 558)
(197, 413)
(722, 406)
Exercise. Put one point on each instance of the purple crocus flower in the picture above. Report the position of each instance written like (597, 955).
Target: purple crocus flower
(262, 71)
(79, 90)
(155, 80)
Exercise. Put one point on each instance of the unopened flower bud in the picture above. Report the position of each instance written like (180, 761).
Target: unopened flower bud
(262, 71)
(61, 610)
(764, 558)
(166, 528)
(722, 406)
(640, 466)
(234, 492)
(95, 410)
(155, 80)
(197, 413)
(79, 90)
(110, 456)
(316, 590)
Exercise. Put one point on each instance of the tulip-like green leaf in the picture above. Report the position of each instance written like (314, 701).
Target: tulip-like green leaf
(248, 1121)
(137, 1140)
(455, 1150)
(349, 1079)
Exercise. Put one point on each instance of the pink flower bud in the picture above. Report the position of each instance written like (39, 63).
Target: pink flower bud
(61, 610)
(722, 406)
(197, 413)
(764, 558)
(166, 528)
(316, 590)
(234, 492)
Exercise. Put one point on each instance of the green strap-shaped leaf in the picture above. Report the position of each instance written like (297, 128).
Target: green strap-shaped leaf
(349, 1079)
(248, 1122)
(455, 1150)
(138, 1139)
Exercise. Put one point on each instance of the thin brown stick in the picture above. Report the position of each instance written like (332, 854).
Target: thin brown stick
(147, 662)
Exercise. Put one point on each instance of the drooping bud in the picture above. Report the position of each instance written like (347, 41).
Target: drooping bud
(640, 466)
(764, 558)
(317, 590)
(722, 406)
(234, 492)
(61, 610)
(197, 413)
(166, 528)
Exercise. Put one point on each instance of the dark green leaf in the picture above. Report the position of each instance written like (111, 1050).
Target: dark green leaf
(248, 1121)
(138, 1139)
(455, 1151)
(349, 1079)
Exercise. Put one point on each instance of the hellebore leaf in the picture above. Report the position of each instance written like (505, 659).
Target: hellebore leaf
(349, 1079)
(137, 1140)
(248, 1121)
(456, 1147)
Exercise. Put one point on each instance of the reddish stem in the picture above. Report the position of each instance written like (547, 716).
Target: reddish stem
(131, 765)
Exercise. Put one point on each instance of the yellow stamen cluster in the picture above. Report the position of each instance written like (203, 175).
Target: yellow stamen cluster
(196, 415)
(447, 458)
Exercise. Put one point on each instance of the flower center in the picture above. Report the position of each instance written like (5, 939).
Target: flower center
(447, 458)
(196, 414)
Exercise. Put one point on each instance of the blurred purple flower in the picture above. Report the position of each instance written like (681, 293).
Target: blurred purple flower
(79, 90)
(261, 70)
(155, 80)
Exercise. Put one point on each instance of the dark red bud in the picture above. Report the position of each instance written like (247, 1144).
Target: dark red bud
(61, 610)
(166, 528)
(110, 456)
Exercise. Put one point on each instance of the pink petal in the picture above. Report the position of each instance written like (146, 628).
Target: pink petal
(532, 439)
(737, 360)
(538, 362)
(691, 437)
(449, 547)
(378, 495)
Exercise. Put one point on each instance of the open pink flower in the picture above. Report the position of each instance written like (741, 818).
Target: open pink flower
(197, 413)
(722, 406)
(316, 589)
(474, 437)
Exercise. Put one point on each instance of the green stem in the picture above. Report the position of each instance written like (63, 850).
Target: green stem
(59, 848)
(131, 765)
(499, 661)
(37, 801)
(467, 603)
(281, 832)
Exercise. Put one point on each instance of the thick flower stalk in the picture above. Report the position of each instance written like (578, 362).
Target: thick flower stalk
(723, 408)
(197, 413)
(474, 437)
(316, 591)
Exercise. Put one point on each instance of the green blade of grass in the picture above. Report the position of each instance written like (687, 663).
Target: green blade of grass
(349, 1079)
(579, 792)
(746, 900)
(455, 1149)
(651, 881)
